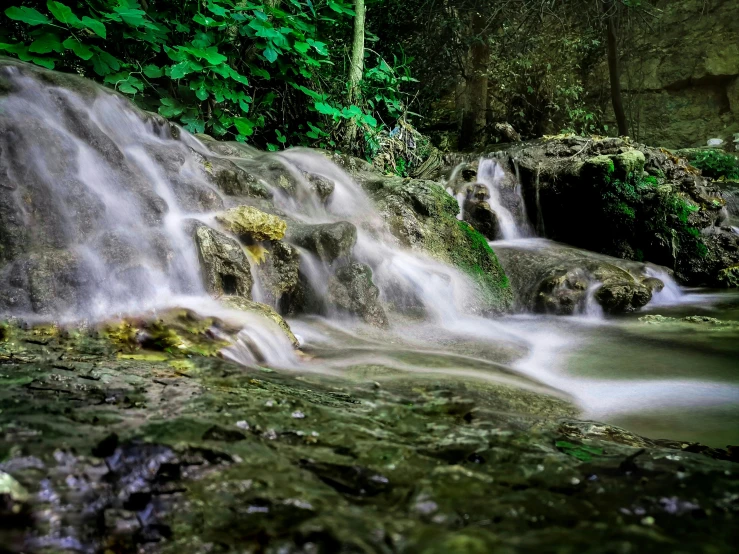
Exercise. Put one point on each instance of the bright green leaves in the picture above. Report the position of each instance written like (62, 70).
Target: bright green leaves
(96, 26)
(62, 13)
(246, 70)
(126, 82)
(244, 126)
(270, 54)
(582, 452)
(27, 15)
(82, 50)
(46, 43)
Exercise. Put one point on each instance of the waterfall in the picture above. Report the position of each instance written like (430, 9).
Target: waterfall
(671, 293)
(491, 174)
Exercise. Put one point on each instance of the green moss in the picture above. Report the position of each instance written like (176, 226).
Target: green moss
(479, 261)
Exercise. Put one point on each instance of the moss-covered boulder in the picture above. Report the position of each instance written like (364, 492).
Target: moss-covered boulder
(252, 224)
(423, 216)
(269, 312)
(627, 200)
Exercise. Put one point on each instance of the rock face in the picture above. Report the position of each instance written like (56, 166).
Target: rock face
(424, 217)
(628, 201)
(351, 289)
(554, 278)
(224, 265)
(328, 241)
(680, 75)
(252, 224)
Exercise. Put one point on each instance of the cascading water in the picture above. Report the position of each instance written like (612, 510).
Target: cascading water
(104, 196)
(491, 174)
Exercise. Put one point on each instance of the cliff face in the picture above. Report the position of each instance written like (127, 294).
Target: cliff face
(680, 74)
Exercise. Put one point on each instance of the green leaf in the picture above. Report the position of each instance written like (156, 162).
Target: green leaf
(202, 93)
(259, 72)
(271, 54)
(238, 77)
(62, 12)
(369, 120)
(326, 109)
(44, 62)
(45, 44)
(27, 15)
(152, 71)
(244, 126)
(82, 50)
(272, 147)
(216, 9)
(97, 27)
(301, 47)
(178, 71)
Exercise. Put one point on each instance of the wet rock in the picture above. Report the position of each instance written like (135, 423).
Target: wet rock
(264, 310)
(423, 216)
(352, 289)
(278, 272)
(329, 241)
(627, 200)
(553, 278)
(252, 224)
(223, 263)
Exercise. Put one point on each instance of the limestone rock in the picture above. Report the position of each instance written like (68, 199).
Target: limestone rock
(553, 278)
(240, 303)
(352, 289)
(328, 241)
(224, 265)
(253, 224)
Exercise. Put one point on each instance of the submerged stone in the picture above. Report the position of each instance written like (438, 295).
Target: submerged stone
(264, 310)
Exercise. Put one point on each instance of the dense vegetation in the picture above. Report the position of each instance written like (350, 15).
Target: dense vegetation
(272, 72)
(279, 72)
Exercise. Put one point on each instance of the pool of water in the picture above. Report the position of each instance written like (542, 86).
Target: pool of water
(676, 380)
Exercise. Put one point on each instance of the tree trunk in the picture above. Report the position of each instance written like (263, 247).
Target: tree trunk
(614, 70)
(356, 68)
(474, 114)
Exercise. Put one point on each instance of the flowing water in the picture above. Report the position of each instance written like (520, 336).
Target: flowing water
(102, 174)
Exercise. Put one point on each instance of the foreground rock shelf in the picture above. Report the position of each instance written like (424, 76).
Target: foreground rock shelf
(131, 450)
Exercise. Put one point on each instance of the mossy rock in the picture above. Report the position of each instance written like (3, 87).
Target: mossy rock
(251, 223)
(264, 310)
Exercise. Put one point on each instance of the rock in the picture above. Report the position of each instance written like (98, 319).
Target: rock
(224, 265)
(480, 215)
(252, 224)
(553, 278)
(278, 272)
(239, 303)
(329, 241)
(628, 201)
(423, 216)
(351, 289)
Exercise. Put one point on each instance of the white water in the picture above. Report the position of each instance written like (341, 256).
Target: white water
(491, 174)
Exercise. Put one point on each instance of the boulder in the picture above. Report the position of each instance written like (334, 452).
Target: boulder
(278, 272)
(240, 303)
(627, 200)
(553, 278)
(224, 265)
(328, 241)
(351, 289)
(252, 224)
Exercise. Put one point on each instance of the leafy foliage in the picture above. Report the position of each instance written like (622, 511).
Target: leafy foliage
(716, 164)
(242, 69)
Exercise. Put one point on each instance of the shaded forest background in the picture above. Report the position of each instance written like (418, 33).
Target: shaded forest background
(360, 75)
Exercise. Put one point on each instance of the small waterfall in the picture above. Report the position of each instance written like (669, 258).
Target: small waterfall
(670, 294)
(491, 174)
